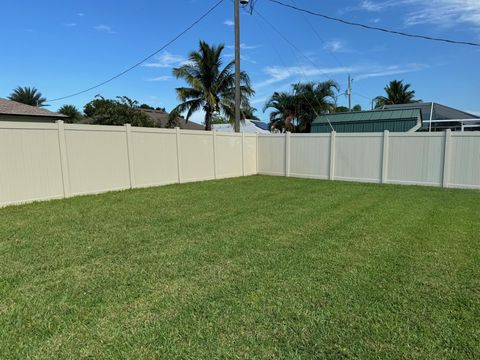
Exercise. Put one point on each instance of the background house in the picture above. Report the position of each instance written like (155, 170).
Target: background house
(248, 126)
(160, 119)
(441, 117)
(15, 111)
(401, 120)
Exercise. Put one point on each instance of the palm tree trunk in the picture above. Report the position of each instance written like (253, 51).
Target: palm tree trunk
(208, 120)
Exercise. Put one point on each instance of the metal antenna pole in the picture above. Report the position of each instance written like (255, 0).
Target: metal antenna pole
(349, 93)
(237, 66)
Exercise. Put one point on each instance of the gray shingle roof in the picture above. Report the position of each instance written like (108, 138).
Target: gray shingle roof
(160, 118)
(8, 107)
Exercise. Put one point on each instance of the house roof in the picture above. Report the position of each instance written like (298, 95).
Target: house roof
(374, 115)
(440, 112)
(160, 118)
(9, 107)
(247, 126)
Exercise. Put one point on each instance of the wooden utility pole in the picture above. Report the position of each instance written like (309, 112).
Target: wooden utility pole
(238, 96)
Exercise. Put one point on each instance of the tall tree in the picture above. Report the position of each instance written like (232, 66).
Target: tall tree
(28, 95)
(396, 93)
(296, 110)
(211, 87)
(249, 113)
(74, 115)
(119, 111)
(284, 111)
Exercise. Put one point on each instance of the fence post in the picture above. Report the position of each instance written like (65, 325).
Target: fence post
(287, 152)
(386, 143)
(257, 155)
(243, 153)
(446, 158)
(63, 158)
(179, 155)
(128, 131)
(332, 155)
(214, 135)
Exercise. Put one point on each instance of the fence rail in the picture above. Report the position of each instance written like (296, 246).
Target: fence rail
(49, 161)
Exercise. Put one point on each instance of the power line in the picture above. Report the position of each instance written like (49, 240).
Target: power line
(321, 40)
(281, 59)
(395, 32)
(145, 59)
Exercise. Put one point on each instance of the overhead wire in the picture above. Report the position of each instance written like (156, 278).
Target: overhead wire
(170, 42)
(376, 28)
(299, 51)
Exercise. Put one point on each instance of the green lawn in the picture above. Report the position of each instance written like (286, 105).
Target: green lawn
(256, 267)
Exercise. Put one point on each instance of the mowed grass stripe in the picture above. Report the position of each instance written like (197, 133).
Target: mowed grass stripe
(251, 267)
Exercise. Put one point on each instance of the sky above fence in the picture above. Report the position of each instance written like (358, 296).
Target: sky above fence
(65, 46)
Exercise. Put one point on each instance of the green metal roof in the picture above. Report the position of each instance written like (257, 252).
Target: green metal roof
(374, 115)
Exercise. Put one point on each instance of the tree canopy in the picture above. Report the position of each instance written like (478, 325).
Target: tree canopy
(211, 87)
(396, 93)
(28, 95)
(119, 111)
(295, 111)
(74, 115)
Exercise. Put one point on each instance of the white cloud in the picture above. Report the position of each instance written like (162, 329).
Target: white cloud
(166, 60)
(445, 13)
(70, 24)
(374, 6)
(229, 22)
(104, 28)
(160, 78)
(243, 57)
(244, 46)
(390, 70)
(279, 74)
(334, 46)
(80, 14)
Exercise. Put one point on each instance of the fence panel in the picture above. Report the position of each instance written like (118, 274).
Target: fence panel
(45, 161)
(197, 161)
(465, 161)
(229, 156)
(310, 156)
(97, 158)
(416, 159)
(359, 157)
(271, 154)
(250, 154)
(154, 157)
(30, 164)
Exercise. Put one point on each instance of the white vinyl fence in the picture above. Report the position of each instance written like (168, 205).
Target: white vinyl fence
(436, 159)
(48, 161)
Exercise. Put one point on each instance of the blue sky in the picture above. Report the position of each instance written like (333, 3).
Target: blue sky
(62, 47)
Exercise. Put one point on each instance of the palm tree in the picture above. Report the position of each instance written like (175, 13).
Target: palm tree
(284, 111)
(295, 111)
(211, 88)
(397, 93)
(28, 95)
(74, 115)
